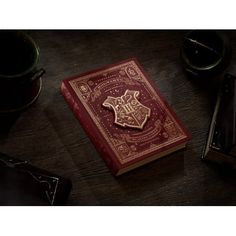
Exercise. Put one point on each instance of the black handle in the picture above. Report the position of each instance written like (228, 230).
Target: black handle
(37, 74)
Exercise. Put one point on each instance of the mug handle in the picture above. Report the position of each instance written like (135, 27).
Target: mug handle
(37, 74)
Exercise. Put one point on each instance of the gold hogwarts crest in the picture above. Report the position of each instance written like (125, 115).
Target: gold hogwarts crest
(129, 112)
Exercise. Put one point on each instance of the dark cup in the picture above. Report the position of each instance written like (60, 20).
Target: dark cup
(205, 53)
(20, 80)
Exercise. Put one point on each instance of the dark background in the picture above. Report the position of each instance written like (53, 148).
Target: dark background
(50, 137)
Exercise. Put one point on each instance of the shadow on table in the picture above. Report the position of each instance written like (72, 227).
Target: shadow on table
(146, 185)
(6, 122)
(154, 178)
(226, 176)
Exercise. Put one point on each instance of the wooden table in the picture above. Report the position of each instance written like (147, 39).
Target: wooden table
(50, 137)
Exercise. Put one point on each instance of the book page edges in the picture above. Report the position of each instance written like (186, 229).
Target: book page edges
(151, 158)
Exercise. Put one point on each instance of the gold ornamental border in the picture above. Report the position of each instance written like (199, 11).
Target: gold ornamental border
(132, 63)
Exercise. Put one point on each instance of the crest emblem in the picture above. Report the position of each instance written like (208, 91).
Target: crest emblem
(129, 112)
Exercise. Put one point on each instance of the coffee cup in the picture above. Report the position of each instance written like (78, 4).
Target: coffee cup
(20, 78)
(205, 53)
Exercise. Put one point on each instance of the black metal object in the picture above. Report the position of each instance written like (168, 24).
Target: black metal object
(221, 143)
(224, 136)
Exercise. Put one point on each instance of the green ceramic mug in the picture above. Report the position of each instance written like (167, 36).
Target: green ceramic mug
(20, 79)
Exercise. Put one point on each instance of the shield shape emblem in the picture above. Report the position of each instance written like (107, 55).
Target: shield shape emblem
(129, 112)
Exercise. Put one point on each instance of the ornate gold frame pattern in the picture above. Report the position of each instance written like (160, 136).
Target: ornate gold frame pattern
(81, 86)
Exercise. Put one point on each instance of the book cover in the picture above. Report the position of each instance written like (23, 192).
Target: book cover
(22, 184)
(125, 116)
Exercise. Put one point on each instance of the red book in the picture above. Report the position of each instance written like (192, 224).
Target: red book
(125, 116)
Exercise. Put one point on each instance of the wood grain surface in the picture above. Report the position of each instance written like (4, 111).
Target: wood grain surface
(49, 136)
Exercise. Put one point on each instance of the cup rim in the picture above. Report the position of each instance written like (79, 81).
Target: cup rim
(212, 65)
(33, 65)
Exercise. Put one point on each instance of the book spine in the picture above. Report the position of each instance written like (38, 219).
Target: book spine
(90, 128)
